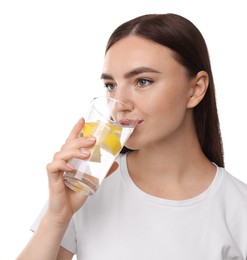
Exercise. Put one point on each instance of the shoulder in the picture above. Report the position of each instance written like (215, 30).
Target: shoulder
(233, 204)
(235, 184)
(234, 189)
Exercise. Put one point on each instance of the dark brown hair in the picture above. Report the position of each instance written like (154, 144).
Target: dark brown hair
(182, 36)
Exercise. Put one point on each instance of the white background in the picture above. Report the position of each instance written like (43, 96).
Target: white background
(51, 56)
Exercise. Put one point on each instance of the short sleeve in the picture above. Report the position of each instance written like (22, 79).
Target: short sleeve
(36, 222)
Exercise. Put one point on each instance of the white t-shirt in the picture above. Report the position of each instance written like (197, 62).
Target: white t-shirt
(121, 222)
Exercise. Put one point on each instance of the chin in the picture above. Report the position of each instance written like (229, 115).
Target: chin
(131, 148)
(130, 145)
(125, 150)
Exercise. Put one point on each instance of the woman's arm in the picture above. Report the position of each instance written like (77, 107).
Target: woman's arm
(64, 254)
(45, 242)
(62, 203)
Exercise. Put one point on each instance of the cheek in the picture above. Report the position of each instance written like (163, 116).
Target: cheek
(167, 117)
(170, 107)
(163, 113)
(173, 113)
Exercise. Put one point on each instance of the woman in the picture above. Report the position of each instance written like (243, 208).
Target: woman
(170, 197)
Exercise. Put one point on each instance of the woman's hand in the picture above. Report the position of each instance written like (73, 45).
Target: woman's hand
(63, 202)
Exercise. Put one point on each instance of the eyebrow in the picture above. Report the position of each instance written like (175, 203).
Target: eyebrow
(131, 73)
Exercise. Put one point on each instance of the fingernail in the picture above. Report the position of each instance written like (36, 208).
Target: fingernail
(70, 166)
(91, 139)
(85, 152)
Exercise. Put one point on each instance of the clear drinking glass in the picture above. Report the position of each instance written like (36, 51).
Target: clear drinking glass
(111, 122)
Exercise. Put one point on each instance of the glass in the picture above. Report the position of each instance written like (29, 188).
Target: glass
(111, 122)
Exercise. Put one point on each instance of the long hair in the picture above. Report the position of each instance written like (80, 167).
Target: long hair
(183, 37)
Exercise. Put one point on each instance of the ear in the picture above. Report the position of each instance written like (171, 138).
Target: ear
(198, 89)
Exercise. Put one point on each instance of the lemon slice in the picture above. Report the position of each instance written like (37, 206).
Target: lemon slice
(88, 128)
(108, 138)
(100, 130)
(117, 130)
(111, 144)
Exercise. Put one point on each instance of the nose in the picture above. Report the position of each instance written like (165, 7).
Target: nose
(123, 113)
(124, 95)
(122, 106)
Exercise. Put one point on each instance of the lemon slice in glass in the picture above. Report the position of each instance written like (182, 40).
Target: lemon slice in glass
(88, 128)
(111, 144)
(117, 130)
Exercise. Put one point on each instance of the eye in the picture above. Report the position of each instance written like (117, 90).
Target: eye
(110, 86)
(144, 82)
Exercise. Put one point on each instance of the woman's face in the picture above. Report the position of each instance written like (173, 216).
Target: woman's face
(146, 76)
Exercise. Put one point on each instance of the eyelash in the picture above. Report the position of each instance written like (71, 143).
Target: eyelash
(147, 82)
(138, 83)
(110, 86)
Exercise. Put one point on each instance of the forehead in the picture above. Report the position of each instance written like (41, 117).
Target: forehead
(134, 51)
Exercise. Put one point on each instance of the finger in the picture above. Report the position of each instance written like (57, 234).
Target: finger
(76, 130)
(58, 166)
(82, 142)
(66, 154)
(113, 169)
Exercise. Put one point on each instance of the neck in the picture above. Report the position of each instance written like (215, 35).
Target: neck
(172, 169)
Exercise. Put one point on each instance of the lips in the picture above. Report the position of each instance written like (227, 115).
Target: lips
(138, 122)
(130, 122)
